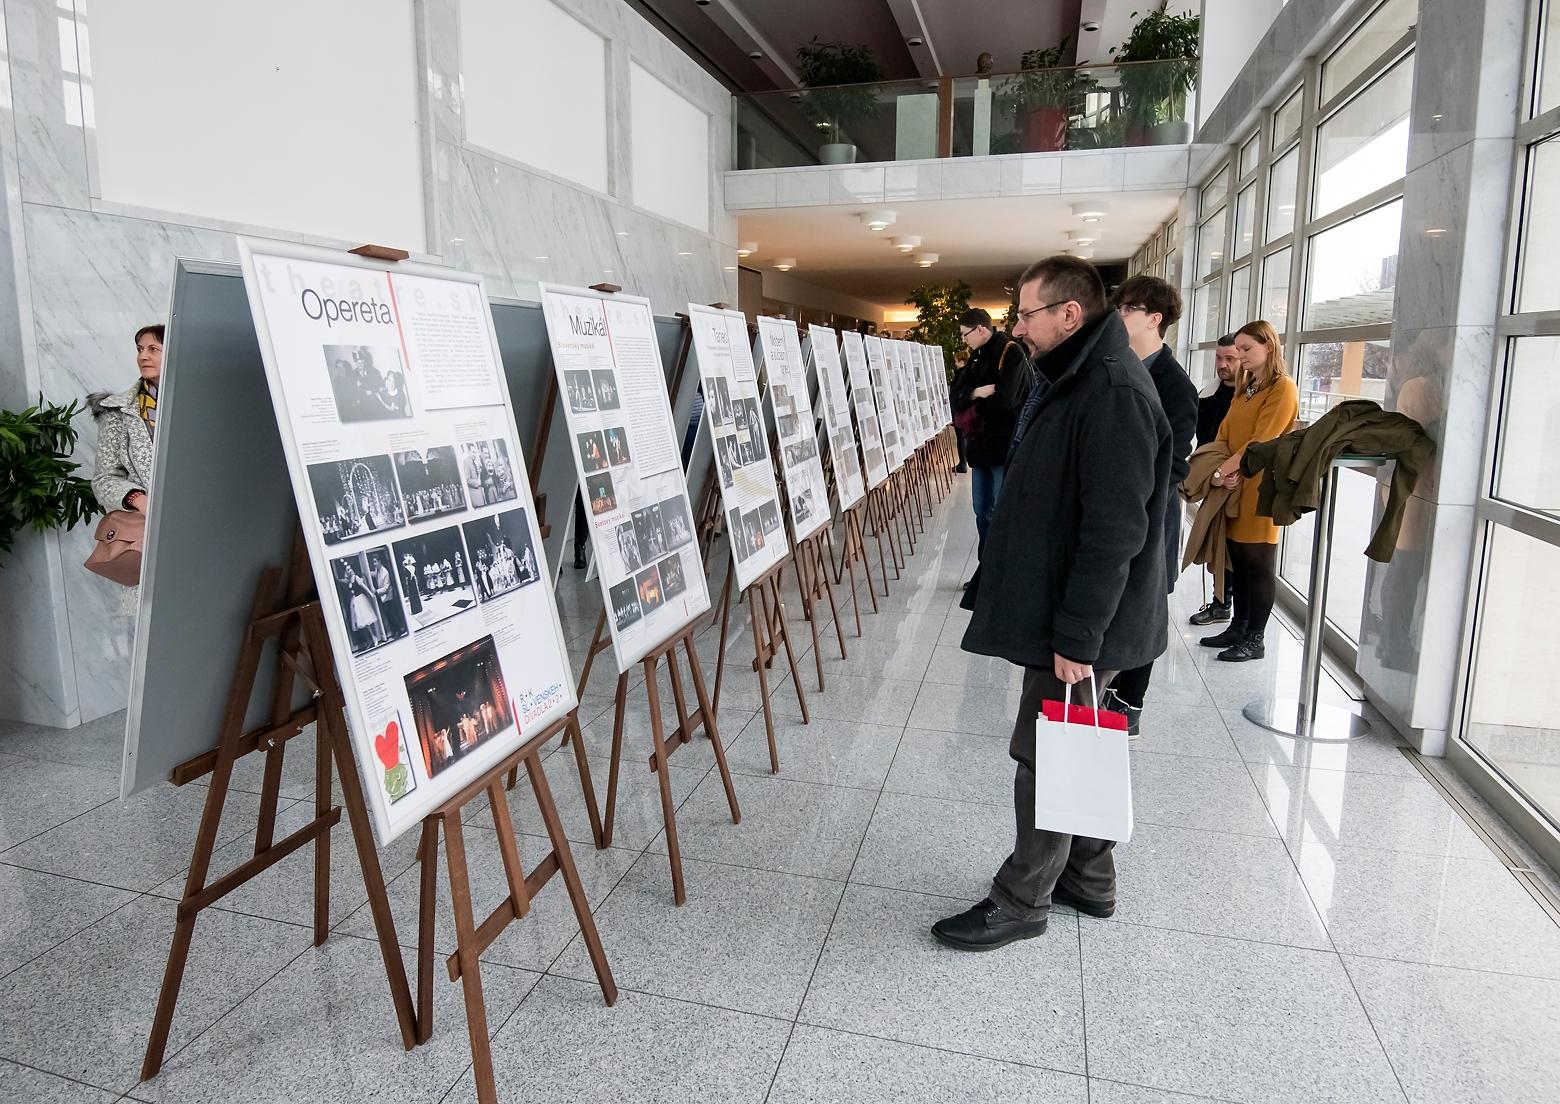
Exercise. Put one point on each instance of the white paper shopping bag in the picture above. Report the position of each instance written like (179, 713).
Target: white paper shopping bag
(1083, 771)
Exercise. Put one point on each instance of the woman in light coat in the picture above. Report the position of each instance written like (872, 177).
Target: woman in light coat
(127, 421)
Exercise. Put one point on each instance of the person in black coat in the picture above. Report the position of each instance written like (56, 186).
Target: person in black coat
(987, 396)
(1072, 585)
(1211, 409)
(1148, 308)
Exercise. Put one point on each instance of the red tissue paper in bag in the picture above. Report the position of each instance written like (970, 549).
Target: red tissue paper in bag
(1058, 713)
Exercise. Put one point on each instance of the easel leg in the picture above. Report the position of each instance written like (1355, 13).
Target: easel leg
(709, 726)
(828, 590)
(427, 911)
(609, 818)
(725, 624)
(761, 652)
(668, 808)
(470, 968)
(790, 653)
(322, 802)
(582, 763)
(808, 586)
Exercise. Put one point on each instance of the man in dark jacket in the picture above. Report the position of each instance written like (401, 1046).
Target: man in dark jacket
(987, 396)
(1148, 308)
(1072, 586)
(1211, 409)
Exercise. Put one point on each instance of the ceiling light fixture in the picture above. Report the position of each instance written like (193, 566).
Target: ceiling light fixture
(878, 220)
(1091, 211)
(907, 244)
(542, 258)
(926, 260)
(785, 264)
(1081, 253)
(756, 55)
(684, 253)
(747, 249)
(915, 42)
(1083, 237)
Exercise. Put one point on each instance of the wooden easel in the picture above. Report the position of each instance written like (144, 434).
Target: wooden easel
(856, 550)
(879, 508)
(471, 938)
(291, 617)
(812, 577)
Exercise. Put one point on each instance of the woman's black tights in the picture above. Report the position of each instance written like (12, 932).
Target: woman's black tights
(1256, 582)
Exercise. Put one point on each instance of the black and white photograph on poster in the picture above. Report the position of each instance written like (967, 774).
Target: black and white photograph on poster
(502, 558)
(788, 425)
(370, 604)
(355, 497)
(769, 517)
(435, 576)
(430, 482)
(650, 595)
(600, 493)
(617, 446)
(582, 392)
(802, 508)
(754, 423)
(593, 451)
(726, 459)
(672, 581)
(490, 477)
(606, 391)
(675, 524)
(459, 702)
(628, 547)
(647, 527)
(874, 458)
(736, 534)
(367, 382)
(720, 408)
(782, 399)
(625, 604)
(753, 530)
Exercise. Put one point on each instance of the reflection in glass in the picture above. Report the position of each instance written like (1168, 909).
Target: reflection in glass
(1528, 465)
(1514, 698)
(1214, 191)
(1283, 191)
(1365, 145)
(1249, 154)
(1286, 120)
(1539, 244)
(1240, 296)
(1245, 204)
(1353, 270)
(1332, 371)
(1207, 308)
(1375, 37)
(1274, 304)
(1210, 245)
(1353, 525)
(1549, 59)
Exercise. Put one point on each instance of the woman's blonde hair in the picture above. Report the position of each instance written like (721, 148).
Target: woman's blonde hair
(1264, 334)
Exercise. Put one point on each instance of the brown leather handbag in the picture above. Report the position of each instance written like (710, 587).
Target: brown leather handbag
(117, 556)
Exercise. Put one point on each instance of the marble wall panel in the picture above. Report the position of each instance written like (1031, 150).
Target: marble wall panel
(46, 101)
(1464, 60)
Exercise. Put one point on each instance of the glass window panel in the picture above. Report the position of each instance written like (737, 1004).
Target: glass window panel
(1374, 38)
(1549, 61)
(1283, 191)
(1286, 120)
(1274, 304)
(1207, 311)
(1527, 469)
(1365, 145)
(1214, 191)
(1201, 368)
(1330, 372)
(1240, 296)
(1173, 268)
(1353, 525)
(1353, 270)
(1513, 696)
(1210, 245)
(1538, 286)
(1245, 207)
(1249, 154)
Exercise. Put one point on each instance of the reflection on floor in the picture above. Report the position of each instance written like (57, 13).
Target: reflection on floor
(1296, 922)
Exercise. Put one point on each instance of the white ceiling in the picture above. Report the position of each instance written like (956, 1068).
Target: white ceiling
(985, 242)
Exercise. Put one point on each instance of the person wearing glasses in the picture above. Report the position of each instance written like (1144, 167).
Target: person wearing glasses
(1148, 308)
(986, 398)
(1072, 585)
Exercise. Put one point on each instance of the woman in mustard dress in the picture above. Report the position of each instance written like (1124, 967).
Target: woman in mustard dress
(1265, 405)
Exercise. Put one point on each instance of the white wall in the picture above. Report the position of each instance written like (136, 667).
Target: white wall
(535, 87)
(1231, 30)
(670, 154)
(312, 125)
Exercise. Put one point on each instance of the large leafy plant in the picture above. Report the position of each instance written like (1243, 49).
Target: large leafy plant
(835, 74)
(1154, 93)
(38, 485)
(940, 306)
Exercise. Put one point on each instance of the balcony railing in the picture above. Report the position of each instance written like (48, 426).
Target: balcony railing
(1041, 110)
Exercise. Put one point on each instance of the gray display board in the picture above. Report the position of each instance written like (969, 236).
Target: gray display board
(222, 507)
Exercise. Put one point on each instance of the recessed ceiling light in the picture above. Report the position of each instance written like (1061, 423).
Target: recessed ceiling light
(916, 42)
(1080, 252)
(1092, 211)
(684, 253)
(622, 233)
(756, 55)
(878, 220)
(1083, 237)
(730, 268)
(907, 244)
(785, 264)
(543, 258)
(1436, 231)
(926, 260)
(747, 249)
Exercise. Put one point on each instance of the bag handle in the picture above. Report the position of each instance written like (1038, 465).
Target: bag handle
(1094, 711)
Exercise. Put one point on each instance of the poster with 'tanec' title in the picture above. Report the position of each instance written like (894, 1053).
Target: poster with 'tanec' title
(872, 450)
(825, 351)
(630, 468)
(748, 495)
(417, 515)
(883, 384)
(790, 401)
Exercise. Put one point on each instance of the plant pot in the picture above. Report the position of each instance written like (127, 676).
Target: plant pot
(1177, 133)
(837, 153)
(1044, 129)
(1139, 134)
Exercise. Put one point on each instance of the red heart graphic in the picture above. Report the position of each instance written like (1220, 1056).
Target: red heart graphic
(388, 745)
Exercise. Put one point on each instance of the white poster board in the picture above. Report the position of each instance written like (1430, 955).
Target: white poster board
(883, 395)
(411, 485)
(843, 453)
(940, 389)
(790, 404)
(871, 433)
(749, 498)
(924, 391)
(901, 390)
(626, 454)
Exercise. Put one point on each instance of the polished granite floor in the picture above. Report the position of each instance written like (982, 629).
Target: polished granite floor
(1296, 922)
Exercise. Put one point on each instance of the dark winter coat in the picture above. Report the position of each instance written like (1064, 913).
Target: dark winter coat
(1074, 562)
(1211, 409)
(1001, 361)
(1178, 398)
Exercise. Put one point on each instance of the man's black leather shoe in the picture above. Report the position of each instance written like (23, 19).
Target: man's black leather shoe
(985, 928)
(1244, 650)
(1100, 909)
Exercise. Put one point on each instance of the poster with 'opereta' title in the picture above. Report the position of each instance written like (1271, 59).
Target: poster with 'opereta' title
(417, 515)
(629, 464)
(791, 404)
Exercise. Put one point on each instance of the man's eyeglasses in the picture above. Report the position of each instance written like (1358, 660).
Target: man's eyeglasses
(1128, 308)
(1024, 316)
(965, 333)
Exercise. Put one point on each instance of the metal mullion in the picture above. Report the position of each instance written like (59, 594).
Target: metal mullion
(1539, 127)
(1376, 331)
(1536, 17)
(1522, 519)
(1310, 76)
(1534, 324)
(1259, 193)
(1384, 61)
(1382, 196)
(1278, 245)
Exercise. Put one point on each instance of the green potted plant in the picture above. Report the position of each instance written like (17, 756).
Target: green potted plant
(839, 97)
(1042, 97)
(39, 489)
(1158, 68)
(940, 305)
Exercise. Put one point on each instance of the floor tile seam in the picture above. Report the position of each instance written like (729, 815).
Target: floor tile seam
(1371, 1020)
(118, 1094)
(1480, 970)
(1083, 1005)
(789, 1021)
(786, 1046)
(763, 773)
(77, 816)
(1159, 1088)
(1327, 950)
(803, 1021)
